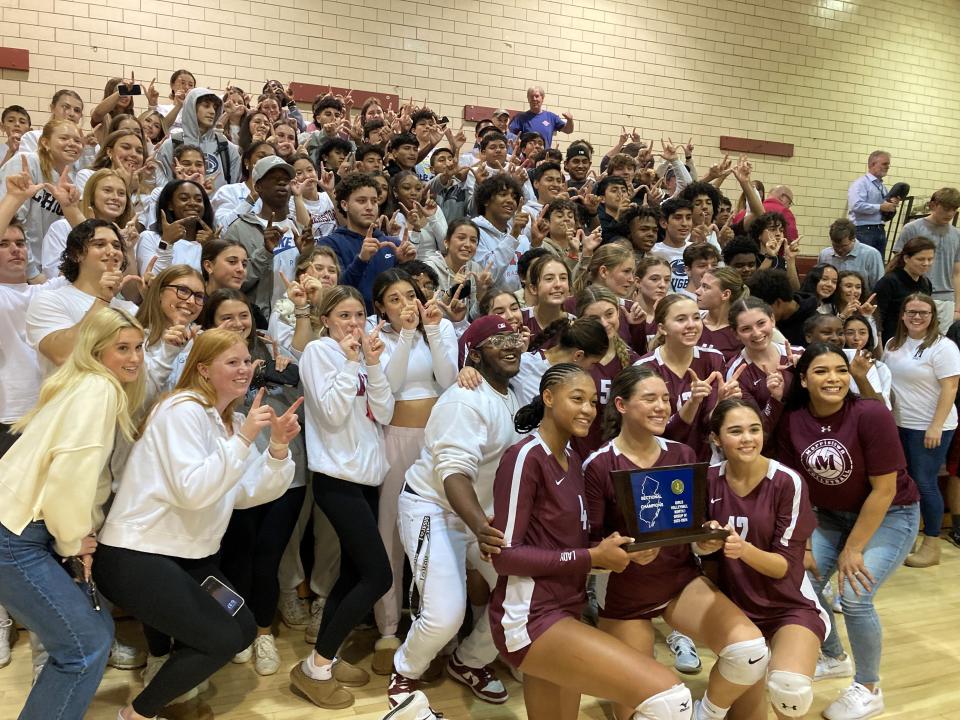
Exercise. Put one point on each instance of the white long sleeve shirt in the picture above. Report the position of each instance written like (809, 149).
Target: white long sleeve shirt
(183, 480)
(419, 368)
(346, 403)
(467, 433)
(503, 249)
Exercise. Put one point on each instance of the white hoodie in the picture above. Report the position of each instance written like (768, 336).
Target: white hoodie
(184, 478)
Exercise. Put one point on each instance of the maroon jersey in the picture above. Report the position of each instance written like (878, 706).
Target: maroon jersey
(753, 384)
(705, 361)
(837, 454)
(603, 376)
(724, 340)
(633, 335)
(775, 517)
(529, 320)
(543, 566)
(640, 590)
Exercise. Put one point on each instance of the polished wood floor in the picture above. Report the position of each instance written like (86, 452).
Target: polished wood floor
(920, 610)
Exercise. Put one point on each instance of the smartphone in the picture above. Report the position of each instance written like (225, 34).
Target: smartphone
(127, 90)
(228, 599)
(190, 228)
(464, 290)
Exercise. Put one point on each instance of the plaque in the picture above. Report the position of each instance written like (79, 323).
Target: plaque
(663, 506)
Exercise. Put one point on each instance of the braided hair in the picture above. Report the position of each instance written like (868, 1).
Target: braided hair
(530, 415)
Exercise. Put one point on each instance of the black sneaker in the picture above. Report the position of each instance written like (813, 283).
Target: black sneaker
(954, 537)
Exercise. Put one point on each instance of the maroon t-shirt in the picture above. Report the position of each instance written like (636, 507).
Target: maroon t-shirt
(529, 320)
(724, 340)
(837, 454)
(775, 517)
(696, 434)
(542, 512)
(753, 384)
(603, 376)
(639, 587)
(633, 335)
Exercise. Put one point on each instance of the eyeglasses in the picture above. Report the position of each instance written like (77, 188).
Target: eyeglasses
(503, 341)
(918, 313)
(185, 293)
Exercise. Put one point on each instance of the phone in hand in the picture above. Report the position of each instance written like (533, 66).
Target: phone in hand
(464, 290)
(128, 90)
(228, 599)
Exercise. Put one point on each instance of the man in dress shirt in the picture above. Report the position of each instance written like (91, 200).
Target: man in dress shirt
(866, 200)
(848, 253)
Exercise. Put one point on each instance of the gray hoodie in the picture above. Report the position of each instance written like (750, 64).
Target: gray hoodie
(213, 143)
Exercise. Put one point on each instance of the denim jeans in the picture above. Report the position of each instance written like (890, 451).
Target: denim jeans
(924, 465)
(36, 589)
(875, 236)
(885, 552)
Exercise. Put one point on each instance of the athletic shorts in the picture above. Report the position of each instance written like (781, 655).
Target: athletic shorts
(628, 598)
(808, 618)
(536, 626)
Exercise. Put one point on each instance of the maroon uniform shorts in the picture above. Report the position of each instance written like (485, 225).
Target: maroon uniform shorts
(808, 618)
(537, 625)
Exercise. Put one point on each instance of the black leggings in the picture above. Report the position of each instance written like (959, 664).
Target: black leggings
(364, 568)
(164, 593)
(252, 547)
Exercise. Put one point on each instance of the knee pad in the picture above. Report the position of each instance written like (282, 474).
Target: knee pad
(791, 694)
(673, 704)
(744, 663)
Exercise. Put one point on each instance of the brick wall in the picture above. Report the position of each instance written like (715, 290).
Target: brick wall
(835, 78)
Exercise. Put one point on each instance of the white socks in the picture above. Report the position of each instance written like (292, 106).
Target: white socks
(706, 710)
(314, 671)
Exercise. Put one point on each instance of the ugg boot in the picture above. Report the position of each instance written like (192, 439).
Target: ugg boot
(927, 555)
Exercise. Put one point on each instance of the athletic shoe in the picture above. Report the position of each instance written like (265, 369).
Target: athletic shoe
(313, 626)
(482, 682)
(243, 656)
(126, 657)
(154, 664)
(266, 659)
(954, 537)
(414, 706)
(293, 611)
(856, 703)
(684, 652)
(400, 688)
(383, 651)
(6, 630)
(349, 675)
(322, 693)
(829, 667)
(37, 669)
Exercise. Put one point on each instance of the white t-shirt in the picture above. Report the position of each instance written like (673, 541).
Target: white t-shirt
(60, 309)
(53, 244)
(674, 256)
(322, 215)
(916, 386)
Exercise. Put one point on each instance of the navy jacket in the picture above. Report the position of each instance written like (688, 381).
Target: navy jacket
(346, 244)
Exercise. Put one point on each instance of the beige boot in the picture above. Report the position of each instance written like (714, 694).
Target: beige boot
(927, 555)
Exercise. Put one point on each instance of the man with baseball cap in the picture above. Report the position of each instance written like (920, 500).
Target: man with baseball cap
(269, 236)
(501, 121)
(446, 508)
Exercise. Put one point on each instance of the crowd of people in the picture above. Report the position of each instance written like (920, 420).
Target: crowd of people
(342, 366)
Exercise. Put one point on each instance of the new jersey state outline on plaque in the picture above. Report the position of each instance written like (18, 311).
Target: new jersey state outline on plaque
(663, 498)
(650, 503)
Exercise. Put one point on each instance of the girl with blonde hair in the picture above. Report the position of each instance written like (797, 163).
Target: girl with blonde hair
(55, 482)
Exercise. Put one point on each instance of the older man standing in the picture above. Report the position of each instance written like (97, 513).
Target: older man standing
(538, 120)
(866, 199)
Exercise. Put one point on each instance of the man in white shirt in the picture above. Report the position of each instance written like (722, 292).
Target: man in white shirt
(445, 512)
(94, 261)
(676, 221)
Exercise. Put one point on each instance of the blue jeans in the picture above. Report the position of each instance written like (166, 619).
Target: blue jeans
(36, 589)
(875, 236)
(885, 552)
(924, 465)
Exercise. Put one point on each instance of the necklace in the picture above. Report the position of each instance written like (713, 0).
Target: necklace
(507, 400)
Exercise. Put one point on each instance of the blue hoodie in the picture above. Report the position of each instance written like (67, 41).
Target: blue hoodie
(356, 272)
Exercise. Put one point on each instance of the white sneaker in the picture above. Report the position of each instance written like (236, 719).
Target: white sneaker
(126, 657)
(313, 627)
(37, 669)
(6, 629)
(856, 703)
(293, 610)
(414, 706)
(828, 667)
(243, 656)
(266, 658)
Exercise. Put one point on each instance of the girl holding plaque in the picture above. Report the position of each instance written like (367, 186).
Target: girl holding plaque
(544, 561)
(663, 581)
(766, 508)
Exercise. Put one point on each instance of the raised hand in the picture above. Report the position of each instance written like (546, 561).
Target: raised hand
(670, 152)
(64, 192)
(259, 417)
(520, 220)
(372, 345)
(21, 185)
(456, 309)
(370, 245)
(153, 95)
(731, 388)
(743, 168)
(271, 235)
(284, 428)
(430, 313)
(172, 231)
(700, 389)
(207, 234)
(295, 291)
(868, 307)
(327, 181)
(406, 250)
(350, 344)
(726, 233)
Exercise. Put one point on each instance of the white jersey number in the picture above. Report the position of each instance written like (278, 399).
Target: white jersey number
(583, 512)
(740, 524)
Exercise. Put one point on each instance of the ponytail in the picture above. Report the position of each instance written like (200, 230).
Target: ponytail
(530, 415)
(622, 387)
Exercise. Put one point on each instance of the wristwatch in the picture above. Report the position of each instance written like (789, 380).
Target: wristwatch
(162, 245)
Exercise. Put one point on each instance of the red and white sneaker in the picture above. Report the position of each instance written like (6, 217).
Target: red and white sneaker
(482, 682)
(400, 688)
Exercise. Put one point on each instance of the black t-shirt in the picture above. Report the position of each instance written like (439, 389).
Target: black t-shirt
(792, 327)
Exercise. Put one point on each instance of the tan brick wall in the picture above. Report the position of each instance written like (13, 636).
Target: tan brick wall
(835, 78)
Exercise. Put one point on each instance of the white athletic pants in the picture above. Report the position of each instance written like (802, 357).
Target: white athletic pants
(439, 546)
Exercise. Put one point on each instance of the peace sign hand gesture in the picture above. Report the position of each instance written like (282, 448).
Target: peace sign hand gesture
(731, 388)
(284, 428)
(372, 345)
